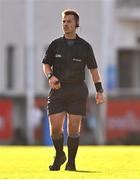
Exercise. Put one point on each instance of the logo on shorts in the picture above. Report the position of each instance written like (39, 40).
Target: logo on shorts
(58, 55)
(77, 60)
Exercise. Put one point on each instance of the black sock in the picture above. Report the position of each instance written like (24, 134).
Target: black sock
(73, 143)
(58, 144)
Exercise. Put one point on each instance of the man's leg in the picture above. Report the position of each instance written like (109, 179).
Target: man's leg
(74, 125)
(56, 131)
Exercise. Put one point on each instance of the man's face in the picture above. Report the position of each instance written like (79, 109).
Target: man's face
(69, 24)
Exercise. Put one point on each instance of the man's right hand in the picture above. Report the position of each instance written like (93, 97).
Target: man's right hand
(54, 83)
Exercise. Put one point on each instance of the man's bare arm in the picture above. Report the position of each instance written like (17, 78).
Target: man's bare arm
(98, 84)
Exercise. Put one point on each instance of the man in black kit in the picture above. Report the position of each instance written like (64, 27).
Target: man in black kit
(64, 66)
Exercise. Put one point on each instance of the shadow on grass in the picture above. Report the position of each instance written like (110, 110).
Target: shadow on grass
(84, 171)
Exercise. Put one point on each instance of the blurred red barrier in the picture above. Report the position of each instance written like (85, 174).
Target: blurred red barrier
(6, 107)
(123, 117)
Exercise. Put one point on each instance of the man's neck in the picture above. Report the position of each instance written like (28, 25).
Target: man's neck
(70, 36)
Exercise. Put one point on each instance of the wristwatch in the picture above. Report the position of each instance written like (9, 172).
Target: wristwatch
(49, 75)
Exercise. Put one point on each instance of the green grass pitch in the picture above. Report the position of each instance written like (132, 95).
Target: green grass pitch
(92, 162)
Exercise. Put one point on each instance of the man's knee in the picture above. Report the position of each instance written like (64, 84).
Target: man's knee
(56, 133)
(73, 130)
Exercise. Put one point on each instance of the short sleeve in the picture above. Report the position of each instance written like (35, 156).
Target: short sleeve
(91, 61)
(49, 55)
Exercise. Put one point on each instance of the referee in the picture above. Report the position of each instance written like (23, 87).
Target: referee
(64, 66)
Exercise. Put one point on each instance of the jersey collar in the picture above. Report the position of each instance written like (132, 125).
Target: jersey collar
(77, 37)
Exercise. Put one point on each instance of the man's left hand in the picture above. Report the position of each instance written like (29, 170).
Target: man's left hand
(100, 98)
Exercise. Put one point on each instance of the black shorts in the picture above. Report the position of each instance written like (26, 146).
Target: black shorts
(70, 98)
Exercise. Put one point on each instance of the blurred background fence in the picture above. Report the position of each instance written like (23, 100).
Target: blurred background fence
(26, 29)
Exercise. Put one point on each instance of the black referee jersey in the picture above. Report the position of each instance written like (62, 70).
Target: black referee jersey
(68, 59)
